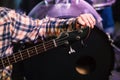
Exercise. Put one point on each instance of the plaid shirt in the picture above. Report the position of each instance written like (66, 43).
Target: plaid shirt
(16, 27)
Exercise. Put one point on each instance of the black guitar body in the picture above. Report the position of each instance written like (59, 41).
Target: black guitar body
(57, 64)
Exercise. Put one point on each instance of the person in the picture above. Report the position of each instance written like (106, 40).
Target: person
(16, 27)
(106, 13)
(108, 21)
(59, 9)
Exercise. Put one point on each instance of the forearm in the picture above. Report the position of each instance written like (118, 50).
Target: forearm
(26, 28)
(54, 26)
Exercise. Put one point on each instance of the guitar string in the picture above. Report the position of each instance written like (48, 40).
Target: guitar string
(47, 45)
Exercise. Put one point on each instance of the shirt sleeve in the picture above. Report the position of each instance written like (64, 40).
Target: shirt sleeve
(25, 28)
(16, 27)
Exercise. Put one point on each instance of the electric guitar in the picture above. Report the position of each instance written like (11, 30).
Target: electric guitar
(65, 38)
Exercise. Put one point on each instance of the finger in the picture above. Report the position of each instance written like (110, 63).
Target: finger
(89, 20)
(93, 20)
(84, 18)
(80, 22)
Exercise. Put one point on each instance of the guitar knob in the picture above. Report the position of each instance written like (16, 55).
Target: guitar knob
(78, 37)
(80, 31)
(66, 42)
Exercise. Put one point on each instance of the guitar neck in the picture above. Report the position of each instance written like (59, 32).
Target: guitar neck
(40, 48)
(27, 53)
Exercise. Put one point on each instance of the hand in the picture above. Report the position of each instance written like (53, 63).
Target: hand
(85, 20)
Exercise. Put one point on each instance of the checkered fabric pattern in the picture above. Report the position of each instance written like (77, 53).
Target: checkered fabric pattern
(16, 27)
